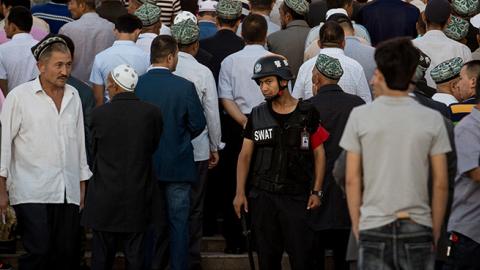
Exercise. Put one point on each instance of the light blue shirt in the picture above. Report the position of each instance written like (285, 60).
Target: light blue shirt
(121, 52)
(210, 139)
(235, 78)
(364, 55)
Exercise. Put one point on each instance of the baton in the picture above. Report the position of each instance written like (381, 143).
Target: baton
(247, 233)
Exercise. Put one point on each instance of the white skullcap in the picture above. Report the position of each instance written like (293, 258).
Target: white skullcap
(184, 15)
(475, 21)
(207, 5)
(126, 77)
(332, 11)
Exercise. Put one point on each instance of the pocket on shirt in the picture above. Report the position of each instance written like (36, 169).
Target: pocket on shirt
(69, 127)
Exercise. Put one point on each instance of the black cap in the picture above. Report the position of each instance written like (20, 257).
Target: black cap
(46, 42)
(438, 11)
(272, 65)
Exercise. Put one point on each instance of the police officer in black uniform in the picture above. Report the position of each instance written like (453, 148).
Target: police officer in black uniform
(283, 142)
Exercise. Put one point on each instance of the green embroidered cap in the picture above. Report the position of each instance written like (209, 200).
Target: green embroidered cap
(299, 6)
(447, 70)
(148, 13)
(330, 67)
(457, 28)
(229, 9)
(465, 7)
(185, 32)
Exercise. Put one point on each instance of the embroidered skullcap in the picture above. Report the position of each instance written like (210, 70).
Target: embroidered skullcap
(148, 13)
(46, 42)
(207, 5)
(184, 15)
(465, 7)
(125, 77)
(299, 6)
(229, 9)
(185, 32)
(447, 70)
(330, 67)
(457, 28)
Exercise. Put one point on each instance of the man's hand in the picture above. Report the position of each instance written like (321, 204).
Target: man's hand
(213, 161)
(313, 202)
(239, 202)
(3, 196)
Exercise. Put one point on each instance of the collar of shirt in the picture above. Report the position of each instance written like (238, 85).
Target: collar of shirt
(294, 23)
(22, 36)
(123, 42)
(90, 15)
(329, 88)
(186, 56)
(395, 100)
(331, 51)
(58, 4)
(124, 96)
(147, 35)
(157, 68)
(352, 39)
(37, 87)
(435, 34)
(254, 47)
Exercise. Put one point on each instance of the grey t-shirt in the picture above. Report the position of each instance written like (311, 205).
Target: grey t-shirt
(465, 216)
(395, 137)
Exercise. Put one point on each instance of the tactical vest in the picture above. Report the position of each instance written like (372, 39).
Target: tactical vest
(280, 164)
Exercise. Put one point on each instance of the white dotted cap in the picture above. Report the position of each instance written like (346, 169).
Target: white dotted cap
(126, 77)
(183, 16)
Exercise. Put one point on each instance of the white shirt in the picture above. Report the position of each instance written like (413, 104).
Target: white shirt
(144, 41)
(446, 99)
(235, 78)
(353, 80)
(121, 52)
(440, 48)
(210, 139)
(17, 64)
(43, 150)
(359, 31)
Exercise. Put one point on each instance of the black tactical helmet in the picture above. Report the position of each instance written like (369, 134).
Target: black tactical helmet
(274, 64)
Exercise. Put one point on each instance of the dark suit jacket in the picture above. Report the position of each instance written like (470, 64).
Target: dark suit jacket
(126, 133)
(334, 107)
(183, 120)
(221, 45)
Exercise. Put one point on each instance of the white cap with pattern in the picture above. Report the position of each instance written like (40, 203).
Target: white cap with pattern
(184, 15)
(126, 77)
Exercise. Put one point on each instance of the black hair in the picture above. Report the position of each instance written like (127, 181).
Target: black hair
(477, 89)
(205, 13)
(254, 28)
(342, 20)
(128, 23)
(473, 68)
(338, 3)
(397, 59)
(16, 3)
(162, 46)
(440, 24)
(89, 3)
(295, 15)
(331, 34)
(21, 17)
(261, 4)
(227, 22)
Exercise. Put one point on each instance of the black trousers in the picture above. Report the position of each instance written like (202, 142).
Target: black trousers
(104, 248)
(465, 254)
(197, 197)
(336, 240)
(232, 229)
(279, 224)
(50, 236)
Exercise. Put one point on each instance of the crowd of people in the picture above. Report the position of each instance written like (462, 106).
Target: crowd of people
(339, 125)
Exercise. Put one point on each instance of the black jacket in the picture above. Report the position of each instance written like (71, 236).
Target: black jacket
(334, 107)
(125, 134)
